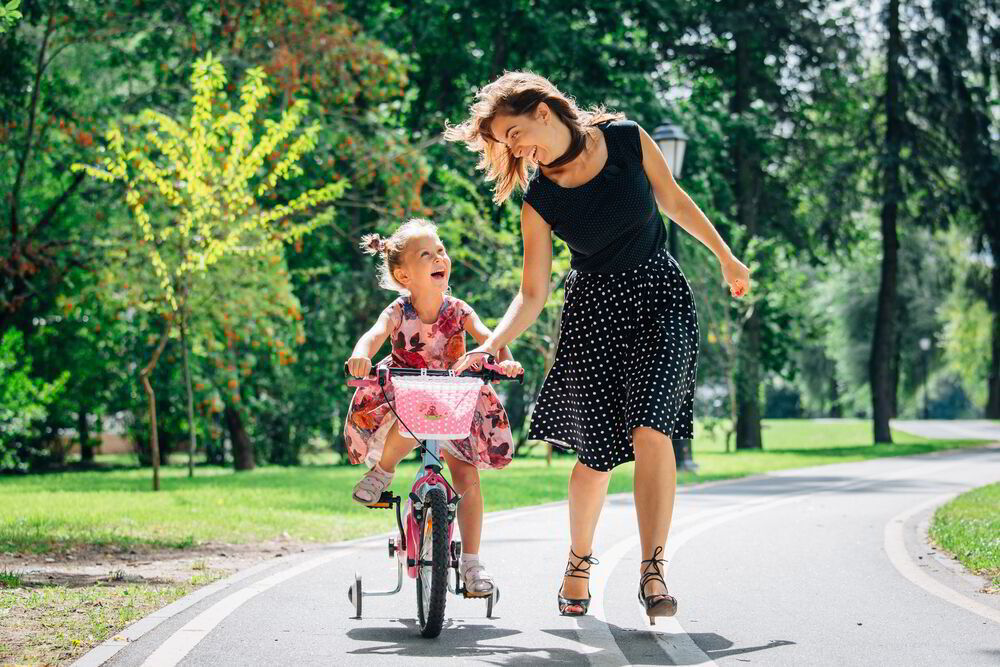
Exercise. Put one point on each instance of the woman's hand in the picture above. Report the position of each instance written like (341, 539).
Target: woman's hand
(737, 276)
(359, 366)
(510, 368)
(473, 359)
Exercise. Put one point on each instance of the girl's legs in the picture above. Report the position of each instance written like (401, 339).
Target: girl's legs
(655, 483)
(465, 479)
(587, 489)
(396, 447)
(375, 481)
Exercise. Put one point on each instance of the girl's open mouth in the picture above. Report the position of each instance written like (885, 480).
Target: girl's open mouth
(438, 274)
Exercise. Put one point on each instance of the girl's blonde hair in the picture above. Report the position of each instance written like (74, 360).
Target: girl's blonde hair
(516, 94)
(391, 249)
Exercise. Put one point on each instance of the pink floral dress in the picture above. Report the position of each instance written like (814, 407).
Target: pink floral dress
(434, 346)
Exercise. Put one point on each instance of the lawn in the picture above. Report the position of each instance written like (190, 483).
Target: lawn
(43, 513)
(969, 528)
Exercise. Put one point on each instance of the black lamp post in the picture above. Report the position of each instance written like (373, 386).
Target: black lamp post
(672, 142)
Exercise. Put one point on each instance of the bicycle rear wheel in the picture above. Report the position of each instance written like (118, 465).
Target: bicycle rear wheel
(432, 573)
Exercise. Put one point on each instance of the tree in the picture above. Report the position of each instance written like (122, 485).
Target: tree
(23, 399)
(204, 179)
(9, 15)
(958, 101)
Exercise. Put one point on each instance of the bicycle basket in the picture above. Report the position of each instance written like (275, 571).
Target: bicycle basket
(440, 408)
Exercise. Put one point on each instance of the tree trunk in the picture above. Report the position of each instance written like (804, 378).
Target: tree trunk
(836, 411)
(154, 437)
(192, 439)
(83, 431)
(242, 449)
(881, 371)
(993, 391)
(748, 434)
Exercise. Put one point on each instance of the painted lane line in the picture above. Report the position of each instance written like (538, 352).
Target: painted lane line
(180, 643)
(895, 549)
(671, 636)
(107, 649)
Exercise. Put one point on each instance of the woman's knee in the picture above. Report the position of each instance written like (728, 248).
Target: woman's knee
(646, 441)
(583, 474)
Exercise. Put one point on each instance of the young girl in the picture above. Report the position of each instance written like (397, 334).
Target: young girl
(427, 327)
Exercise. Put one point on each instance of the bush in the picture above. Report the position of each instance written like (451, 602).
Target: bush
(24, 403)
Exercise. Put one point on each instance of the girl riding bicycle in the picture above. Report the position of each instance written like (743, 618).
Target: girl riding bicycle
(427, 327)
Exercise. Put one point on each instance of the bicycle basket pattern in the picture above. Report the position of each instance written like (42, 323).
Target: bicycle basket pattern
(437, 407)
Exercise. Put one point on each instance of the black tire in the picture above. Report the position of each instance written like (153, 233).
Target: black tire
(432, 580)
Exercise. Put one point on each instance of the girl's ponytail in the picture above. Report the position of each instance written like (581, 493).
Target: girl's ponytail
(372, 244)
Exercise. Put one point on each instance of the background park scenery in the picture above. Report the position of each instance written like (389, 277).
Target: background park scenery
(184, 185)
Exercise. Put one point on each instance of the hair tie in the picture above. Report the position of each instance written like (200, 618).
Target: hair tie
(377, 243)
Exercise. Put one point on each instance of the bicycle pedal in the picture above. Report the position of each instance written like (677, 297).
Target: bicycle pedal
(476, 594)
(385, 501)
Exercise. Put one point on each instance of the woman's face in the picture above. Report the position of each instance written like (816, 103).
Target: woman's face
(538, 137)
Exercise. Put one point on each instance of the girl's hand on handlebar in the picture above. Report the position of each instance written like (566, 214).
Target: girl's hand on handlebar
(472, 359)
(359, 367)
(510, 368)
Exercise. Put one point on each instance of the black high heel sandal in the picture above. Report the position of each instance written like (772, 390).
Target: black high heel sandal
(571, 571)
(657, 604)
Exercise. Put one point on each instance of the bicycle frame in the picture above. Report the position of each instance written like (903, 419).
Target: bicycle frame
(407, 547)
(428, 477)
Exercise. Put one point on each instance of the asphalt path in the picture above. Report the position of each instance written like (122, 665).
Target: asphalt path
(815, 566)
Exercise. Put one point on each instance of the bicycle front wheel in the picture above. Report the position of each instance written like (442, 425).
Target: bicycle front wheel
(432, 573)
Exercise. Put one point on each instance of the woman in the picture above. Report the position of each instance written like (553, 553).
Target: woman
(623, 379)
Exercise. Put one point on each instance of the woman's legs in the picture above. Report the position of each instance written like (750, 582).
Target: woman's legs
(587, 489)
(655, 483)
(465, 479)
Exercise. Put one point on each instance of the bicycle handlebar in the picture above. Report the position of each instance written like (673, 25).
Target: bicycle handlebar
(379, 376)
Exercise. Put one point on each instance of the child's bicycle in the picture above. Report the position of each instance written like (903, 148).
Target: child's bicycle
(431, 405)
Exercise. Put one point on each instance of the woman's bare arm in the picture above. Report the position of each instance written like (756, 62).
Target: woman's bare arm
(535, 276)
(680, 208)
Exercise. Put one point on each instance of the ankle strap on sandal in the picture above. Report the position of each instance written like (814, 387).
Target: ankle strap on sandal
(655, 573)
(572, 569)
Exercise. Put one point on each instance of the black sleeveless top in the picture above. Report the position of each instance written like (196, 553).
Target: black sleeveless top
(611, 222)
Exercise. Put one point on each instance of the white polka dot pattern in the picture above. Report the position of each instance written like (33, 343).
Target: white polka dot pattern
(627, 356)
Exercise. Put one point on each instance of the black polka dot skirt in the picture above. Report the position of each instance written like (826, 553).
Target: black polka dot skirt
(627, 356)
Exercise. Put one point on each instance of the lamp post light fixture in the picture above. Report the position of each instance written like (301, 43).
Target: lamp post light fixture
(672, 141)
(925, 346)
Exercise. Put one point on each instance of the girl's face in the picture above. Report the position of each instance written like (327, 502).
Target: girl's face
(426, 265)
(539, 136)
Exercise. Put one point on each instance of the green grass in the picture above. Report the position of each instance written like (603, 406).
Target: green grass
(54, 624)
(116, 509)
(969, 528)
(9, 579)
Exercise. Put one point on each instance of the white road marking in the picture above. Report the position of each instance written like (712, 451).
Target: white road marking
(179, 644)
(895, 549)
(670, 634)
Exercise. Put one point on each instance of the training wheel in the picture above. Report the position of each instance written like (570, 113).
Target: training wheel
(354, 594)
(493, 599)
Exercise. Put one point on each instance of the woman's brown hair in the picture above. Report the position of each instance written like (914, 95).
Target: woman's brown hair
(517, 94)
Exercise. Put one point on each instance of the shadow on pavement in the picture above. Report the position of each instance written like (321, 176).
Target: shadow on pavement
(457, 640)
